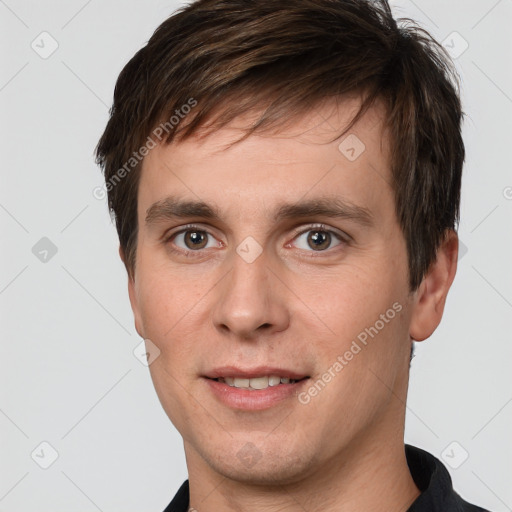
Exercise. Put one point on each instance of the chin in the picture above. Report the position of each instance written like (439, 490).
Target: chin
(267, 466)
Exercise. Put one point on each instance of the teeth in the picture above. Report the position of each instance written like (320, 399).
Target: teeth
(274, 381)
(257, 382)
(241, 383)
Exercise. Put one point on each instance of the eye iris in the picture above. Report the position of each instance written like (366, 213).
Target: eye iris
(320, 239)
(197, 238)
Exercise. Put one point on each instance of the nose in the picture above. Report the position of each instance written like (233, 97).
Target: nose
(251, 300)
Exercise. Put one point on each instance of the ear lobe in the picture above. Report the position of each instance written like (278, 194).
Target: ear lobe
(430, 297)
(132, 294)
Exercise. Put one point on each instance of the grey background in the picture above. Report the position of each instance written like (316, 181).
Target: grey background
(68, 373)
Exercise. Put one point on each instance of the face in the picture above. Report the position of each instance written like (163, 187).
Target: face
(287, 261)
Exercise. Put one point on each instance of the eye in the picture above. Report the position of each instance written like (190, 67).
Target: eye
(192, 239)
(318, 238)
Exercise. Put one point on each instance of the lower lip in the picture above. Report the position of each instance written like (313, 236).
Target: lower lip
(254, 400)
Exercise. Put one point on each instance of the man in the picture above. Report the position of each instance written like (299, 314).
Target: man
(285, 179)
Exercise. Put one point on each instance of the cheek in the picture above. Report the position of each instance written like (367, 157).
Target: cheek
(365, 311)
(346, 301)
(174, 313)
(164, 298)
(169, 316)
(156, 313)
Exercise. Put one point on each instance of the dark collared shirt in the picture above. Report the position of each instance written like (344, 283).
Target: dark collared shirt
(428, 473)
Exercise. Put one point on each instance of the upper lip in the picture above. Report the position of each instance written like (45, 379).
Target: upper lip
(252, 373)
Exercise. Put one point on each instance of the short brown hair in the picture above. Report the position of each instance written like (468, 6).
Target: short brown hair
(283, 57)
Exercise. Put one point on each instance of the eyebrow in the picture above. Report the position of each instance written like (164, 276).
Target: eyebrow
(173, 207)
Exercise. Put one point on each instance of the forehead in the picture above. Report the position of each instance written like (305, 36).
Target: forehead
(297, 159)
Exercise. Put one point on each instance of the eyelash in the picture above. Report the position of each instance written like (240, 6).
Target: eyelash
(316, 227)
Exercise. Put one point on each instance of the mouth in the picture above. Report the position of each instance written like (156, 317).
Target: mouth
(257, 383)
(257, 389)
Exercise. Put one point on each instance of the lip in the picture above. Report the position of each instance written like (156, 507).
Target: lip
(253, 373)
(254, 399)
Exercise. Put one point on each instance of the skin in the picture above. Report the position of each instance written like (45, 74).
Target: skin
(293, 307)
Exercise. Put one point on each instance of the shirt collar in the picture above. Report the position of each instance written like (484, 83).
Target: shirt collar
(435, 484)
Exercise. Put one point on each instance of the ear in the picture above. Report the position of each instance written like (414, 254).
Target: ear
(430, 297)
(132, 293)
